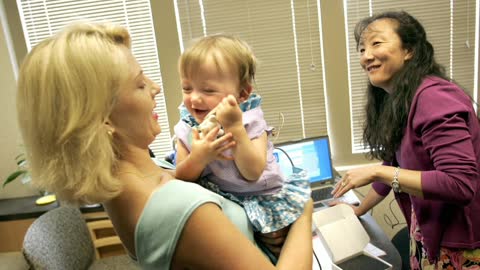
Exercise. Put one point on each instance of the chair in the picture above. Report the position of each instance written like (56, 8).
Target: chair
(401, 241)
(105, 240)
(60, 239)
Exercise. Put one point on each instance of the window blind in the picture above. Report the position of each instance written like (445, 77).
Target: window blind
(42, 18)
(286, 38)
(450, 27)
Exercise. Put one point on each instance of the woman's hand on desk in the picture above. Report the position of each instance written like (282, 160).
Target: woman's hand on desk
(356, 209)
(371, 200)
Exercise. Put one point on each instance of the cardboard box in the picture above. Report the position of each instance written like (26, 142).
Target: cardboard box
(345, 239)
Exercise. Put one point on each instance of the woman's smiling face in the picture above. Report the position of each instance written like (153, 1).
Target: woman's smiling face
(132, 117)
(381, 53)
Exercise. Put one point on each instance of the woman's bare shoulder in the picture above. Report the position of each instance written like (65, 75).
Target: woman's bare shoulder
(209, 240)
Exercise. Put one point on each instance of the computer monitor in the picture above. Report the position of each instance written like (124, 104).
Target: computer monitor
(311, 154)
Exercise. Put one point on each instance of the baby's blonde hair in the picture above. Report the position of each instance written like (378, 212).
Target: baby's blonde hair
(66, 90)
(233, 51)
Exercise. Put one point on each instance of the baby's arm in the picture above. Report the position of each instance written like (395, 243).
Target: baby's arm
(187, 169)
(250, 155)
(204, 150)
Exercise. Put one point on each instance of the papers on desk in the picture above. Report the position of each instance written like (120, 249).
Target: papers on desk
(373, 250)
(321, 255)
(342, 242)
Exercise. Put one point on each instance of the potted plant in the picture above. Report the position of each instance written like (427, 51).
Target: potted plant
(23, 174)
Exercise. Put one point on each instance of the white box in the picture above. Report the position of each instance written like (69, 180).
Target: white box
(343, 236)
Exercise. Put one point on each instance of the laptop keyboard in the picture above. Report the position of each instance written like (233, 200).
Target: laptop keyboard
(322, 194)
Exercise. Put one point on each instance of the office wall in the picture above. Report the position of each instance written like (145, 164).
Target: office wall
(9, 135)
(336, 77)
(168, 51)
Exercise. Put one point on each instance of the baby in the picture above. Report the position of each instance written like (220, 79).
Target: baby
(217, 75)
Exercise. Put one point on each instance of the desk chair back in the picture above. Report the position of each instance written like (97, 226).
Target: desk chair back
(401, 241)
(59, 239)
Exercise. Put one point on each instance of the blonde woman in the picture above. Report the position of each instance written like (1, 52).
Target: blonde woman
(85, 111)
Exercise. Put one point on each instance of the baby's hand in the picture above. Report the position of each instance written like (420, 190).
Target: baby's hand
(228, 112)
(209, 148)
(209, 123)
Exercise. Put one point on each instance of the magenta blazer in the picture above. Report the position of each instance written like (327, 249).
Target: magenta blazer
(442, 139)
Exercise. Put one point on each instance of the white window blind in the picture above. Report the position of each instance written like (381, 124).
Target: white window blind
(42, 18)
(450, 27)
(286, 38)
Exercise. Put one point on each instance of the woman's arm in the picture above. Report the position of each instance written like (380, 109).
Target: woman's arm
(370, 201)
(410, 181)
(210, 241)
(297, 249)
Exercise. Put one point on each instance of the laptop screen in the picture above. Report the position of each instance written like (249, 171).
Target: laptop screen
(312, 155)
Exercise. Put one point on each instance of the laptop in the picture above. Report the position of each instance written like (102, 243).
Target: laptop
(312, 155)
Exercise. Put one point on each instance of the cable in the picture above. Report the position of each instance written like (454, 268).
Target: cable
(276, 131)
(318, 261)
(295, 169)
(291, 161)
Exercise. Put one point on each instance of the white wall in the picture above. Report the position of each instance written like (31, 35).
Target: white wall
(9, 134)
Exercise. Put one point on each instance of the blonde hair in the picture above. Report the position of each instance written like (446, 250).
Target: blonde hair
(233, 51)
(66, 90)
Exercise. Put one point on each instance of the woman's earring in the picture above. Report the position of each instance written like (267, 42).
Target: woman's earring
(110, 133)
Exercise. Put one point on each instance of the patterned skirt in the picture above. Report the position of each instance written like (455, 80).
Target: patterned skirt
(272, 212)
(449, 258)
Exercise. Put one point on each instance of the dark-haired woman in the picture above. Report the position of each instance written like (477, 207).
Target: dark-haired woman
(425, 129)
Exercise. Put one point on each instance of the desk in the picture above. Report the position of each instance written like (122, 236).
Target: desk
(23, 208)
(16, 215)
(379, 239)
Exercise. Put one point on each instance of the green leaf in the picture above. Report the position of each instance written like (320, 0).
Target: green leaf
(20, 161)
(14, 176)
(20, 156)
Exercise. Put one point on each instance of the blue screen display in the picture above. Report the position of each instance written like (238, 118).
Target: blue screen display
(310, 155)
